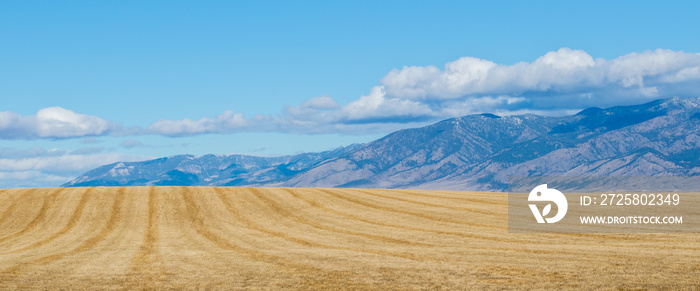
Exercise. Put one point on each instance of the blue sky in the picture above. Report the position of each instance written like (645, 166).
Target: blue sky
(84, 83)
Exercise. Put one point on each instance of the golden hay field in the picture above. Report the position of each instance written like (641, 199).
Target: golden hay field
(230, 238)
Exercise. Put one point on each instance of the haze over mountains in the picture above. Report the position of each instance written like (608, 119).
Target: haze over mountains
(475, 152)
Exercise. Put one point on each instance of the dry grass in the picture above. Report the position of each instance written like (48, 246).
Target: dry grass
(230, 238)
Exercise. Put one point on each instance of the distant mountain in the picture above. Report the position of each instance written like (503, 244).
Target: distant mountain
(220, 170)
(475, 152)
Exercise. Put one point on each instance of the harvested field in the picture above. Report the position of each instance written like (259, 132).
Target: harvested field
(298, 238)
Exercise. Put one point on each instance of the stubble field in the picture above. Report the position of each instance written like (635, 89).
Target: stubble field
(296, 238)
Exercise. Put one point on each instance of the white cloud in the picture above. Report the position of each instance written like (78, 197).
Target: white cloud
(325, 102)
(59, 122)
(559, 82)
(227, 122)
(473, 76)
(684, 75)
(376, 106)
(558, 75)
(52, 122)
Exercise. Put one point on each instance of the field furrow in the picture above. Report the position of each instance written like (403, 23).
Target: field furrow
(197, 219)
(72, 221)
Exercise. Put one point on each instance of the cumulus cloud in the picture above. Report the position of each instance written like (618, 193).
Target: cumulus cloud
(558, 79)
(376, 107)
(52, 122)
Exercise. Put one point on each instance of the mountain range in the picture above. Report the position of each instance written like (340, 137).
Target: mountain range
(475, 152)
